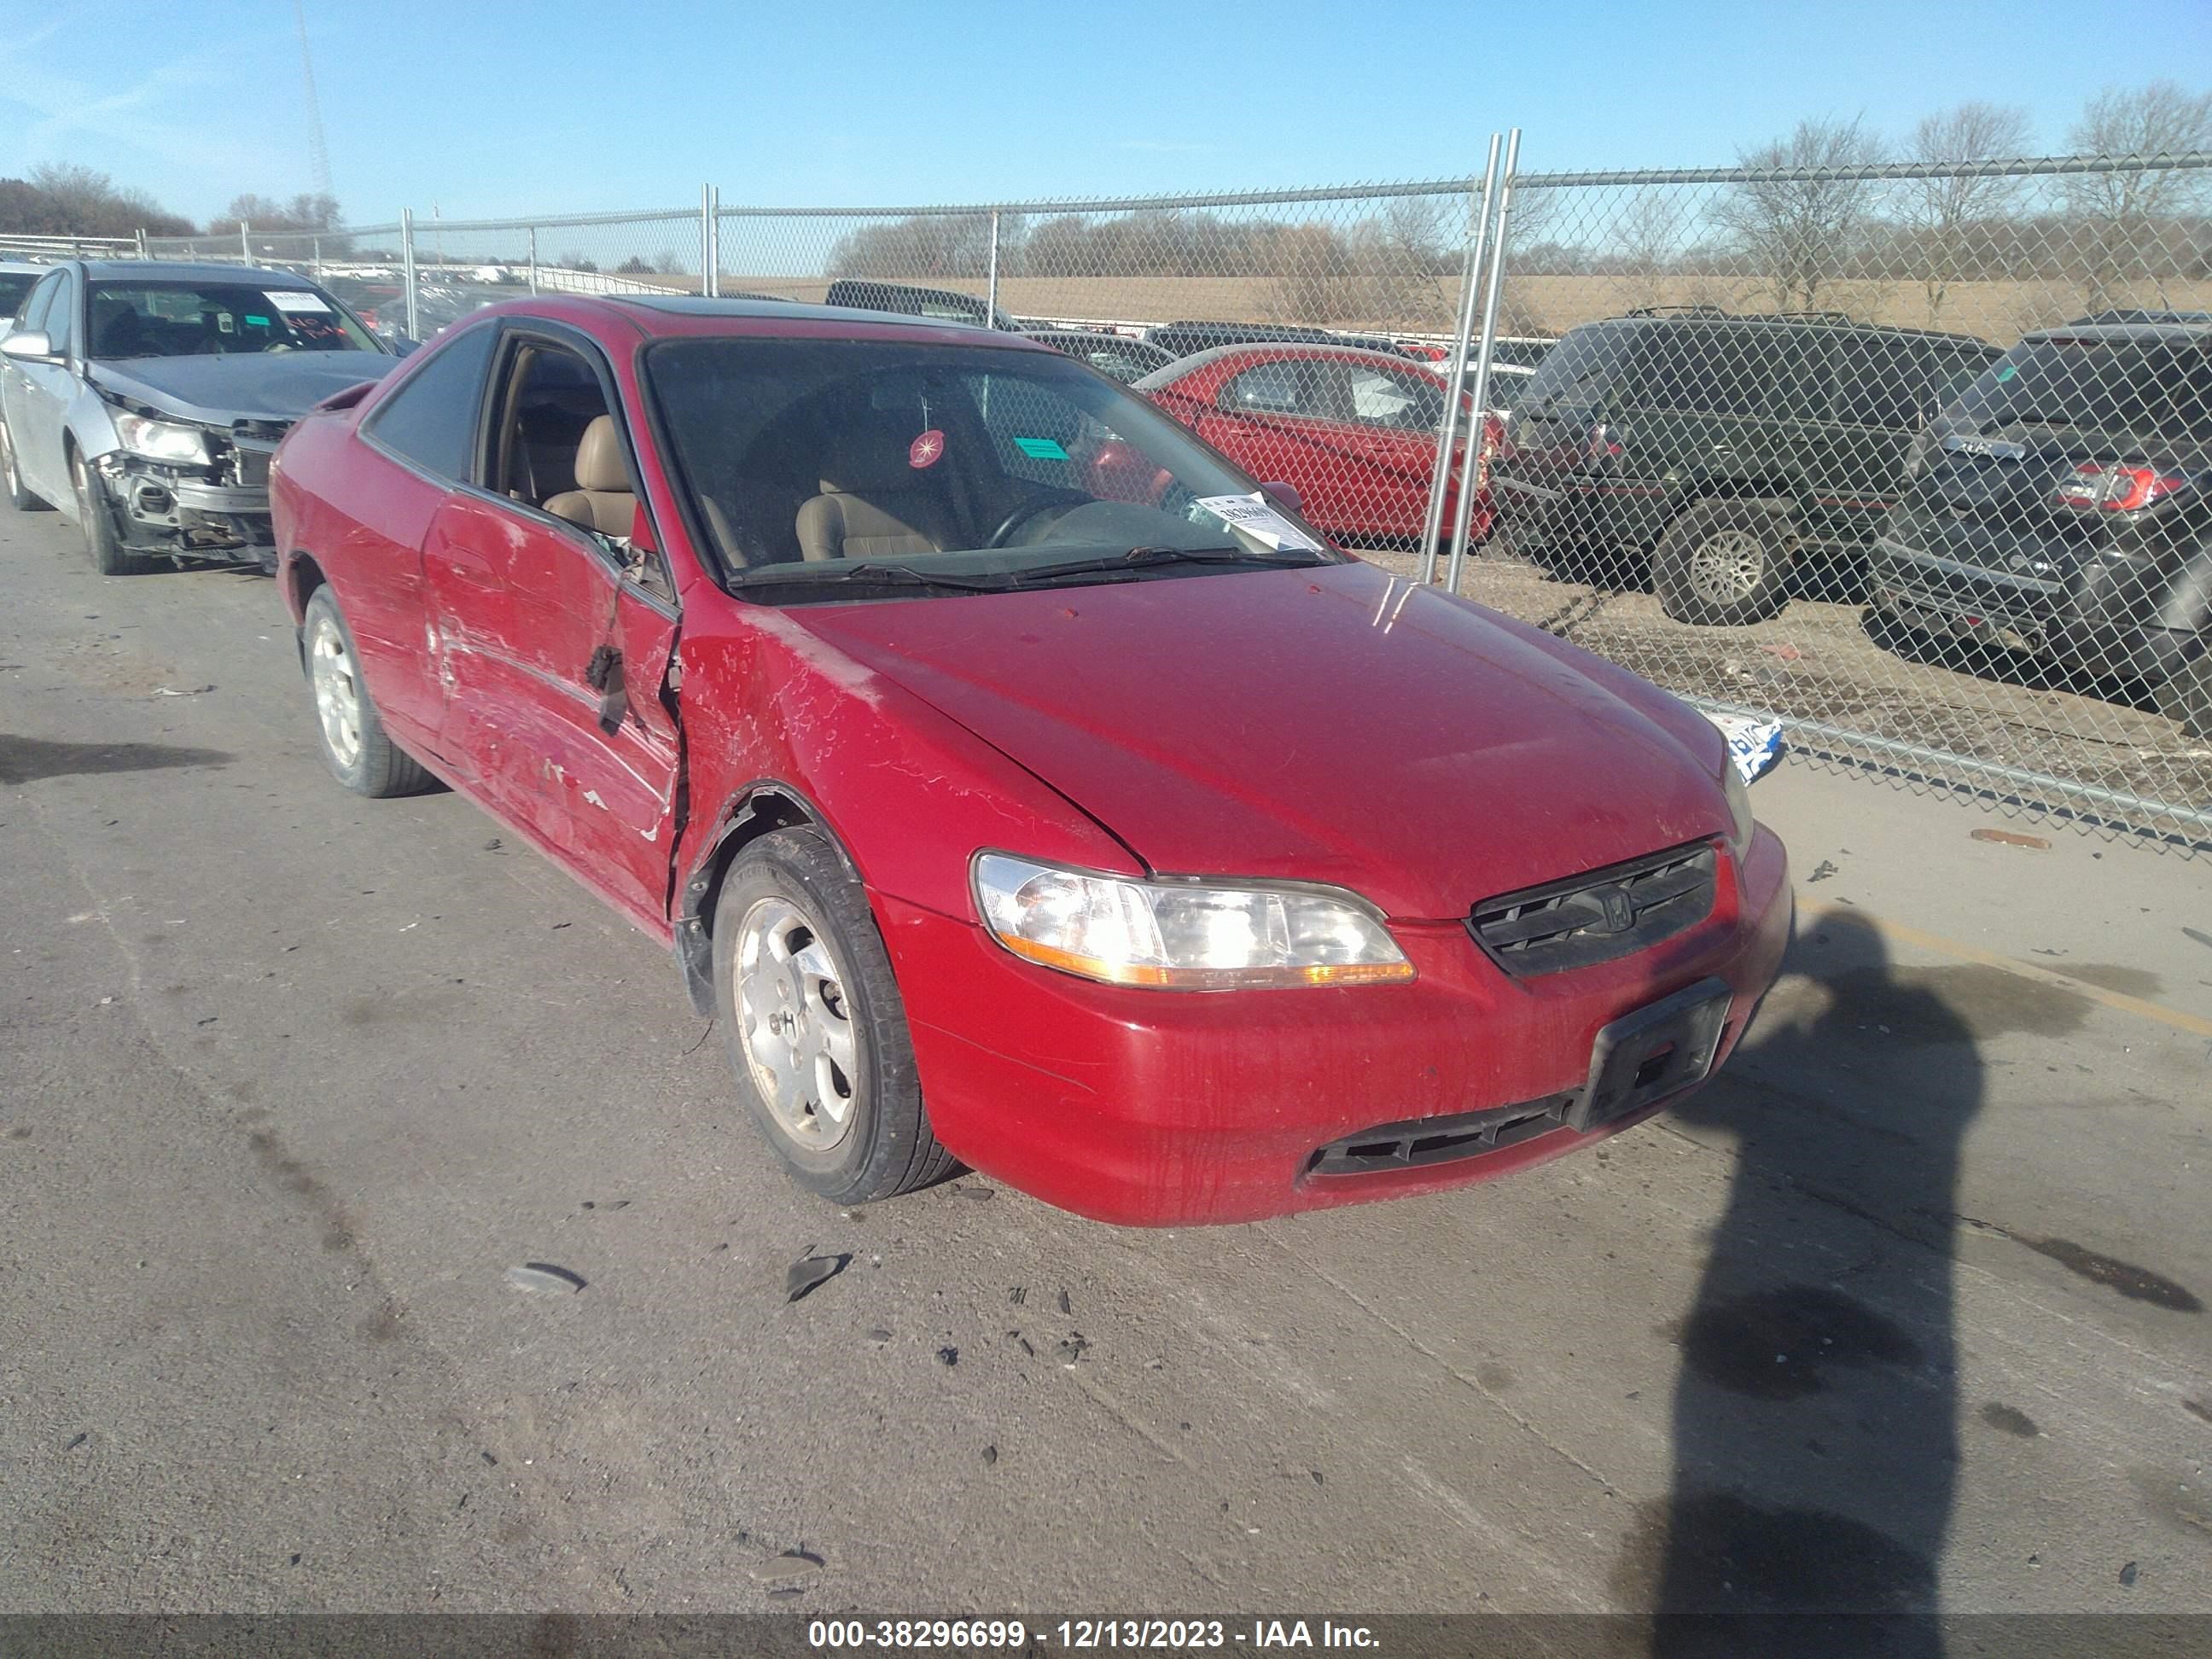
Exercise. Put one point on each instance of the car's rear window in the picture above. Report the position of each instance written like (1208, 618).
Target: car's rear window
(2142, 387)
(1574, 370)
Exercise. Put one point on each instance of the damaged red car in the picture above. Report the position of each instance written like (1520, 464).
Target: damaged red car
(1020, 784)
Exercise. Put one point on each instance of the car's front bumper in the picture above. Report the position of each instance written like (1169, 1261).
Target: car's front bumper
(1152, 1107)
(183, 512)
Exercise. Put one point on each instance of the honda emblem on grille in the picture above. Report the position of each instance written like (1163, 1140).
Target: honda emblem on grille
(1620, 910)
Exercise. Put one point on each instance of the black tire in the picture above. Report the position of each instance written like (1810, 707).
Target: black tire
(372, 765)
(2184, 696)
(1724, 564)
(97, 520)
(12, 476)
(791, 884)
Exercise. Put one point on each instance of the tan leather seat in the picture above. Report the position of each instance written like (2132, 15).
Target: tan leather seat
(601, 500)
(874, 501)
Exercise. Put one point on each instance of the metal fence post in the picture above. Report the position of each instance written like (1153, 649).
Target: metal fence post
(245, 247)
(407, 268)
(1432, 525)
(707, 240)
(1462, 518)
(317, 245)
(991, 276)
(533, 258)
(142, 242)
(714, 240)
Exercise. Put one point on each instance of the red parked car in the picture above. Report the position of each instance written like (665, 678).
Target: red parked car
(1147, 855)
(1353, 432)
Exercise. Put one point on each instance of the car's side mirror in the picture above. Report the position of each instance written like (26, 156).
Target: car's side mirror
(1285, 494)
(29, 345)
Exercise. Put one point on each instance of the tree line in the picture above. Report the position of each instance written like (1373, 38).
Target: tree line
(63, 198)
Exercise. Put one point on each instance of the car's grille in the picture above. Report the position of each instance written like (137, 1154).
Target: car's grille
(255, 442)
(1598, 915)
(1431, 1141)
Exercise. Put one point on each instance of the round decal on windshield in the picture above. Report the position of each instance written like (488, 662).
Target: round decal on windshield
(925, 450)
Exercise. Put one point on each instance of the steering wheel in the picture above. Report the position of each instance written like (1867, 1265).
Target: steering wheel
(1048, 496)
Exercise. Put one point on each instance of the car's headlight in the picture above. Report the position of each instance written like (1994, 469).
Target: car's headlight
(1183, 935)
(1739, 801)
(161, 440)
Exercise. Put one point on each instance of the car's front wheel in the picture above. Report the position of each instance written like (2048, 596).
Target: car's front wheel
(94, 517)
(11, 474)
(1723, 564)
(349, 731)
(817, 1029)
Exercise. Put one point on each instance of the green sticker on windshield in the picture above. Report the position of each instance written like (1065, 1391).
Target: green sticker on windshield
(2007, 372)
(1041, 449)
(259, 322)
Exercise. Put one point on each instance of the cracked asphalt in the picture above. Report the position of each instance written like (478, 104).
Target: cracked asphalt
(1906, 1310)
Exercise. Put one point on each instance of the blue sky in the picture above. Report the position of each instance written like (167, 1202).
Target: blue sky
(563, 105)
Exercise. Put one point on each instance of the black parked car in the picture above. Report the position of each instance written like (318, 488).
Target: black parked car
(2061, 507)
(1121, 356)
(938, 304)
(1724, 450)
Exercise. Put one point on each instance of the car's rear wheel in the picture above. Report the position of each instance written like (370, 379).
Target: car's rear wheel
(1723, 564)
(12, 476)
(97, 520)
(817, 1031)
(2186, 696)
(349, 731)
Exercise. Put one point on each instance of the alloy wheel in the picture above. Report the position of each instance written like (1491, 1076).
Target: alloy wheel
(795, 1023)
(338, 690)
(1726, 567)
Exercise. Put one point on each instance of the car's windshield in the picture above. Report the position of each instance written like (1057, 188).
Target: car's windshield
(149, 319)
(13, 285)
(2142, 387)
(844, 468)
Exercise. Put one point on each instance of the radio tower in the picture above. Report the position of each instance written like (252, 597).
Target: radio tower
(317, 150)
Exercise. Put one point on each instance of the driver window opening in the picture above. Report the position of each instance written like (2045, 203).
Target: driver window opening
(559, 448)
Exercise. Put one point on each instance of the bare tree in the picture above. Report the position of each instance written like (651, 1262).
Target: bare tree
(1800, 227)
(2120, 217)
(1943, 211)
(1647, 240)
(83, 200)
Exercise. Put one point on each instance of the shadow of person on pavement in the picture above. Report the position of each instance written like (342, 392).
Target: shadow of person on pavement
(1815, 1422)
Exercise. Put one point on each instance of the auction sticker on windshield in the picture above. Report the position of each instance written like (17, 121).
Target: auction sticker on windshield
(292, 301)
(1255, 516)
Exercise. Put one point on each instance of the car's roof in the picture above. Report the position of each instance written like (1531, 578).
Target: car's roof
(1284, 349)
(682, 313)
(1834, 322)
(2178, 328)
(185, 271)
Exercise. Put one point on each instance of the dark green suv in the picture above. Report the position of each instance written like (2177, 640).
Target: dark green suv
(1724, 450)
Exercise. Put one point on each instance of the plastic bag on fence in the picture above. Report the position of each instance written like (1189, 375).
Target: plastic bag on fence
(1753, 745)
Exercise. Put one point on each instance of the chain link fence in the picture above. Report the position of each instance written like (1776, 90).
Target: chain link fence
(1916, 459)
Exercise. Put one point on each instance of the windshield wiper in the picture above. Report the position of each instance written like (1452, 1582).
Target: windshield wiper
(882, 576)
(1140, 557)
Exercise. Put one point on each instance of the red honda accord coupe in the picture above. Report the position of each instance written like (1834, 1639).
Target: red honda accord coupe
(1101, 827)
(1353, 432)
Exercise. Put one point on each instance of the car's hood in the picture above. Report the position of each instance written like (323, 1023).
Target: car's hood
(247, 385)
(1327, 725)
